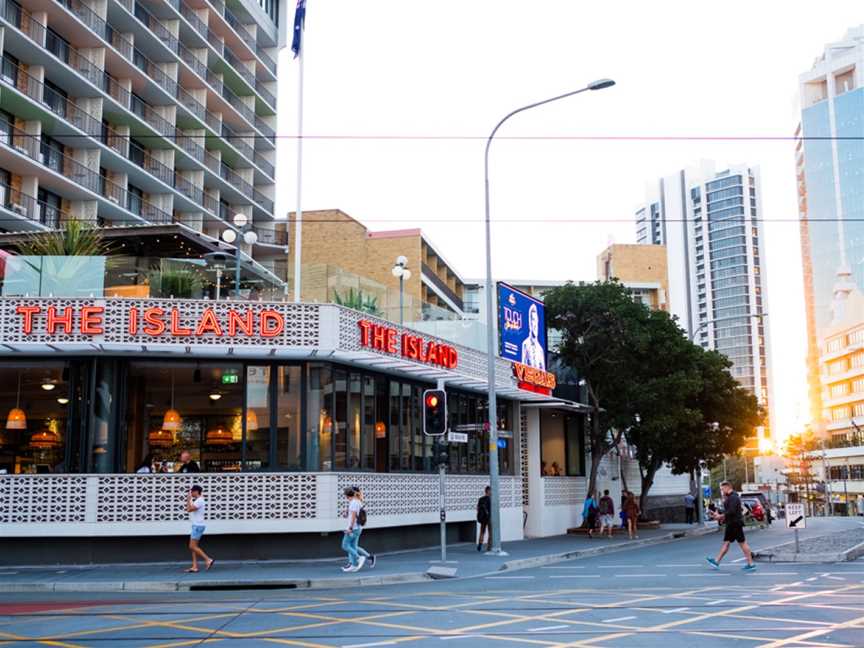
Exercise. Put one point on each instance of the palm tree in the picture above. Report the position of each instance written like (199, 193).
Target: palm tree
(76, 238)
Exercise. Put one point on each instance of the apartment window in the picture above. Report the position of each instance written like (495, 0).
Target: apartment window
(55, 98)
(5, 178)
(137, 105)
(10, 69)
(836, 367)
(7, 122)
(134, 199)
(57, 45)
(840, 389)
(858, 385)
(136, 152)
(857, 360)
(139, 60)
(856, 337)
(858, 409)
(52, 153)
(834, 345)
(49, 207)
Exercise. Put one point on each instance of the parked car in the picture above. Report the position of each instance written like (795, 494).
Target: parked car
(763, 502)
(753, 509)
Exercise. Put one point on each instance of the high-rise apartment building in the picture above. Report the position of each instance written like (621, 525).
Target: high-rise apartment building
(138, 112)
(830, 172)
(709, 222)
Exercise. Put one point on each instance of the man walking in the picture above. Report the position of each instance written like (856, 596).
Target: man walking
(195, 506)
(484, 519)
(352, 534)
(733, 518)
(690, 507)
(607, 513)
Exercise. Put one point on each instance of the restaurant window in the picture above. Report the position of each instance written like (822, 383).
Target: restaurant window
(340, 420)
(405, 432)
(176, 406)
(382, 424)
(561, 447)
(257, 420)
(289, 435)
(355, 421)
(319, 419)
(36, 403)
(372, 426)
(103, 438)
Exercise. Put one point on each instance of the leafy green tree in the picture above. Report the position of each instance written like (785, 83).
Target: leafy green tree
(603, 339)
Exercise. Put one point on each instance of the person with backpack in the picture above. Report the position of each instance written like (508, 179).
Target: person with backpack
(484, 519)
(606, 508)
(361, 521)
(589, 513)
(352, 533)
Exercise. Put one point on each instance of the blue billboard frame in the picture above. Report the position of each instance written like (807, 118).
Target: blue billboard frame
(510, 345)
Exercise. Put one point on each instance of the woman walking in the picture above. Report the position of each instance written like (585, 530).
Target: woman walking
(589, 513)
(631, 508)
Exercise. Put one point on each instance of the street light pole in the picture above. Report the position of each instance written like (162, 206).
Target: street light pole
(722, 319)
(490, 320)
(400, 270)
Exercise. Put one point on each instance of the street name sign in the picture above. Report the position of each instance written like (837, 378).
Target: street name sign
(457, 437)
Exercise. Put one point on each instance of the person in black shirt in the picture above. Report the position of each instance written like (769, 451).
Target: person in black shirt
(733, 518)
(187, 464)
(484, 519)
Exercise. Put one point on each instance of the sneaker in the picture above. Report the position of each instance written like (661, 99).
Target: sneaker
(749, 568)
(372, 561)
(348, 568)
(479, 546)
(713, 563)
(360, 563)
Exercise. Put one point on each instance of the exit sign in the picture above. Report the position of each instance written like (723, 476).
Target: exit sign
(230, 379)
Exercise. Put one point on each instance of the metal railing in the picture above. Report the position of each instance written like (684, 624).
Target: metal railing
(430, 274)
(17, 202)
(271, 237)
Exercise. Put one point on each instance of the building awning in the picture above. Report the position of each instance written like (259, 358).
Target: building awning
(561, 404)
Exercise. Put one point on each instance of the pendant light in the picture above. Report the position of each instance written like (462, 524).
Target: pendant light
(160, 439)
(219, 436)
(172, 419)
(17, 419)
(44, 440)
(251, 420)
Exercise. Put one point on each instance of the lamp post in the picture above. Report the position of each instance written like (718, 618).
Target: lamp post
(401, 272)
(722, 319)
(490, 321)
(249, 236)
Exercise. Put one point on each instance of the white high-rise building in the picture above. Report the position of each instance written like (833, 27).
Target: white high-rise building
(709, 222)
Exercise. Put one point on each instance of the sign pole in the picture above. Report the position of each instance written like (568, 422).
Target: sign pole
(442, 492)
(797, 548)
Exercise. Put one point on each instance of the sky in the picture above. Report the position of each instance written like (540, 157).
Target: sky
(399, 96)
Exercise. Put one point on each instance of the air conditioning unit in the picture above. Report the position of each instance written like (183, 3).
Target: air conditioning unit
(19, 209)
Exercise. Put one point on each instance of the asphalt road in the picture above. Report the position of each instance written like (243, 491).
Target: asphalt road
(658, 596)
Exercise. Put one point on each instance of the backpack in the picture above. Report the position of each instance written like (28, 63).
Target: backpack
(361, 516)
(605, 508)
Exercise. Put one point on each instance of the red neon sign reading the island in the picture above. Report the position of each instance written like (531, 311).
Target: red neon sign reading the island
(532, 379)
(387, 340)
(153, 322)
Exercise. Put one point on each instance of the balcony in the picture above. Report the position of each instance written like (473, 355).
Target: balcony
(442, 287)
(272, 237)
(24, 206)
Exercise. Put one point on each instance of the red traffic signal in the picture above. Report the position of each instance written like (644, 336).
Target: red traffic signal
(434, 412)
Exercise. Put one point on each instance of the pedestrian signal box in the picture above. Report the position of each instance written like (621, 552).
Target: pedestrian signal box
(434, 412)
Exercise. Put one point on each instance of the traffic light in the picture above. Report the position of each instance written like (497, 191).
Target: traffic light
(434, 412)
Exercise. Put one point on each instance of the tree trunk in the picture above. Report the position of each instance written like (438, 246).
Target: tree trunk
(647, 481)
(598, 451)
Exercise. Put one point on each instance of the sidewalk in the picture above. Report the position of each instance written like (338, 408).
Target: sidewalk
(404, 567)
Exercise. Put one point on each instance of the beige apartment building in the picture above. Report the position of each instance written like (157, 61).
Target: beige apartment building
(343, 261)
(641, 268)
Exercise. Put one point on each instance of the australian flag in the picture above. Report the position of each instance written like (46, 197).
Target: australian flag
(299, 24)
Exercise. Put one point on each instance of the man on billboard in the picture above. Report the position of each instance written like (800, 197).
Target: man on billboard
(533, 353)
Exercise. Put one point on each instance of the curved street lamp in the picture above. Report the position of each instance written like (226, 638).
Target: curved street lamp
(600, 84)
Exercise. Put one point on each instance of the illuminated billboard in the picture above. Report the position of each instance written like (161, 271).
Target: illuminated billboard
(521, 327)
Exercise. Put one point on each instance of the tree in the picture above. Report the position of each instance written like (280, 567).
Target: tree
(603, 339)
(75, 238)
(799, 455)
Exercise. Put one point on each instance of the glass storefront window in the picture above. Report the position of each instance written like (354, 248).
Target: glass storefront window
(355, 421)
(561, 445)
(341, 423)
(319, 417)
(289, 434)
(257, 455)
(36, 424)
(206, 397)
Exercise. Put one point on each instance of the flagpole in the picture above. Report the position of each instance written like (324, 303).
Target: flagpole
(298, 223)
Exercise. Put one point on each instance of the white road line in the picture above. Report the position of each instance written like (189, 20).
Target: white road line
(627, 618)
(708, 573)
(840, 578)
(677, 565)
(684, 609)
(717, 602)
(509, 578)
(577, 576)
(774, 573)
(367, 645)
(810, 580)
(567, 567)
(450, 638)
(545, 628)
(617, 566)
(639, 575)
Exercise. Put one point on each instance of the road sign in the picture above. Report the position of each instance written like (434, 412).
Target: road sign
(457, 437)
(706, 491)
(795, 518)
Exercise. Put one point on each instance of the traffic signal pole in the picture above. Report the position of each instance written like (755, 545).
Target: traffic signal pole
(442, 483)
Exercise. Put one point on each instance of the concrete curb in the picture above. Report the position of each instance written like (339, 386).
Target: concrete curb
(210, 584)
(771, 556)
(550, 559)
